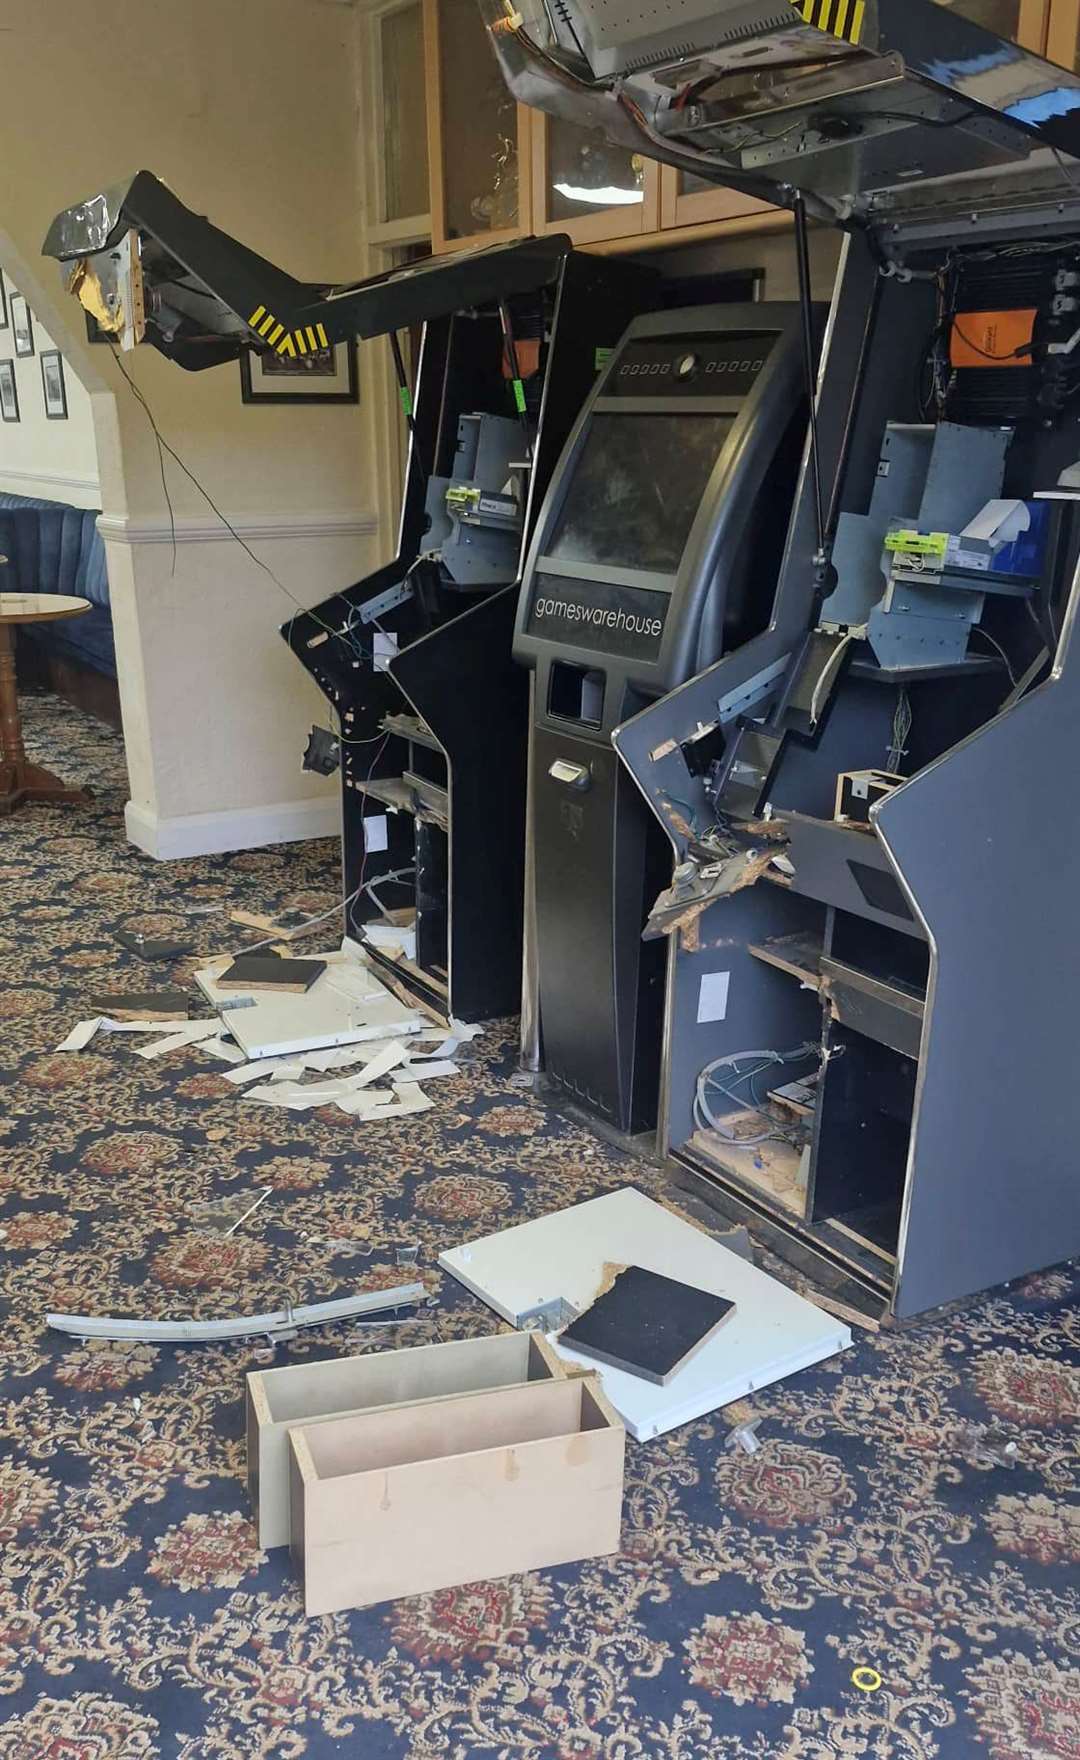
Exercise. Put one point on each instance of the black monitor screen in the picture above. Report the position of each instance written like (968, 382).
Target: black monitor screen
(635, 489)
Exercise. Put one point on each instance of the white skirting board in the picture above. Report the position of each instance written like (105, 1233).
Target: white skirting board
(773, 1332)
(205, 834)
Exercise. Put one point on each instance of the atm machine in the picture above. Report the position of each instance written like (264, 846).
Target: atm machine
(870, 943)
(655, 552)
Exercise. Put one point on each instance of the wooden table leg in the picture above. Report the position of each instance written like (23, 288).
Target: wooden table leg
(19, 779)
(12, 750)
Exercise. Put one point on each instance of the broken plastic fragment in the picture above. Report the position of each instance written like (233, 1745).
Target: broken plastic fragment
(984, 1447)
(745, 1437)
(223, 1216)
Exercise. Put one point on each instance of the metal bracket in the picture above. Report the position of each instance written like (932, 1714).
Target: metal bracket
(546, 1316)
(283, 1322)
(399, 594)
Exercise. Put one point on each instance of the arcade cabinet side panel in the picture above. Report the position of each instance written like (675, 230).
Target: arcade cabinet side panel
(989, 847)
(465, 687)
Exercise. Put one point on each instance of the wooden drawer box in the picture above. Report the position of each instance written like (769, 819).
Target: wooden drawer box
(413, 1498)
(306, 1393)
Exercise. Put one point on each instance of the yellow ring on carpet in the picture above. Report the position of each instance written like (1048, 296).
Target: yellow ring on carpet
(866, 1679)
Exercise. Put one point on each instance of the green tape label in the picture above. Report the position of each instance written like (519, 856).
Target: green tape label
(406, 400)
(908, 543)
(601, 356)
(519, 396)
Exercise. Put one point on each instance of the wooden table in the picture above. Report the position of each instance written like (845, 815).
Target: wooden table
(19, 779)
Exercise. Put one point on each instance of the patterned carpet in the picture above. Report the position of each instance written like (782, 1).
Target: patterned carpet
(137, 1617)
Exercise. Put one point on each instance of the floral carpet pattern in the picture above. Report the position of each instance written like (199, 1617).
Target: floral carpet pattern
(139, 1620)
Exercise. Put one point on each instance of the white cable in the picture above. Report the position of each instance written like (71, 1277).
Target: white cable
(827, 674)
(703, 1113)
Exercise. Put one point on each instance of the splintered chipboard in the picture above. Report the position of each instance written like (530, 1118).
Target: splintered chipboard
(410, 1499)
(345, 1006)
(310, 1393)
(773, 1332)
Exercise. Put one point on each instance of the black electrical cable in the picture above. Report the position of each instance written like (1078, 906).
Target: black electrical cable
(163, 446)
(160, 453)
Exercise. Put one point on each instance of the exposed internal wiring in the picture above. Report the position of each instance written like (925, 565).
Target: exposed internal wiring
(977, 629)
(163, 446)
(160, 451)
(704, 1116)
(300, 928)
(1013, 354)
(901, 728)
(827, 674)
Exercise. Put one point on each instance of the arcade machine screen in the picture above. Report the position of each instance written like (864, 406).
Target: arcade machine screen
(635, 489)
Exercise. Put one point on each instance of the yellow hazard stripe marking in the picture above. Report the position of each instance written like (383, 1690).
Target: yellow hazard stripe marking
(267, 324)
(277, 331)
(841, 18)
(312, 339)
(321, 333)
(256, 315)
(298, 338)
(285, 346)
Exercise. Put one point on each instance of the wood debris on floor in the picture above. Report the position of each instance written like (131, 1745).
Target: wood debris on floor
(331, 1035)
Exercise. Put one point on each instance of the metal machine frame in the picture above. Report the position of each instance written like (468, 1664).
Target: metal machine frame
(930, 953)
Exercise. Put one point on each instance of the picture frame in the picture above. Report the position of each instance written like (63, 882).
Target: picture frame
(22, 325)
(53, 387)
(327, 376)
(3, 303)
(9, 392)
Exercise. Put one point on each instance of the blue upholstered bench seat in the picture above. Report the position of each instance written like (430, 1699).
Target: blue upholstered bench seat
(53, 548)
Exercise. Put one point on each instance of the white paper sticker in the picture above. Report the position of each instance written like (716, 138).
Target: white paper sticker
(376, 834)
(712, 997)
(384, 648)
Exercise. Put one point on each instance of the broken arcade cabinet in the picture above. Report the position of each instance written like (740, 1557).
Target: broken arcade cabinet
(656, 550)
(415, 659)
(868, 802)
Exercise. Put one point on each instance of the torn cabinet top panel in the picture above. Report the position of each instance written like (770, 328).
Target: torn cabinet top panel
(900, 113)
(146, 267)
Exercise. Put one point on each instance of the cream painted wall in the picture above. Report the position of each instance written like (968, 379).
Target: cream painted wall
(38, 456)
(247, 111)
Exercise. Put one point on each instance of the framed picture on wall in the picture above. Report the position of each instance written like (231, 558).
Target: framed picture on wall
(3, 303)
(327, 376)
(52, 384)
(22, 324)
(9, 392)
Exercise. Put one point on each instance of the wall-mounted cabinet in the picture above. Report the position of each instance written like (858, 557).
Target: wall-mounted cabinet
(460, 162)
(584, 186)
(686, 200)
(477, 135)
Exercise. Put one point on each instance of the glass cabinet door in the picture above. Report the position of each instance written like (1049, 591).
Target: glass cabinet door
(1063, 34)
(588, 187)
(403, 114)
(475, 124)
(687, 200)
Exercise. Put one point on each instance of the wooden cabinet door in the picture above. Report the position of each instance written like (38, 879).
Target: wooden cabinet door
(477, 135)
(585, 186)
(1063, 33)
